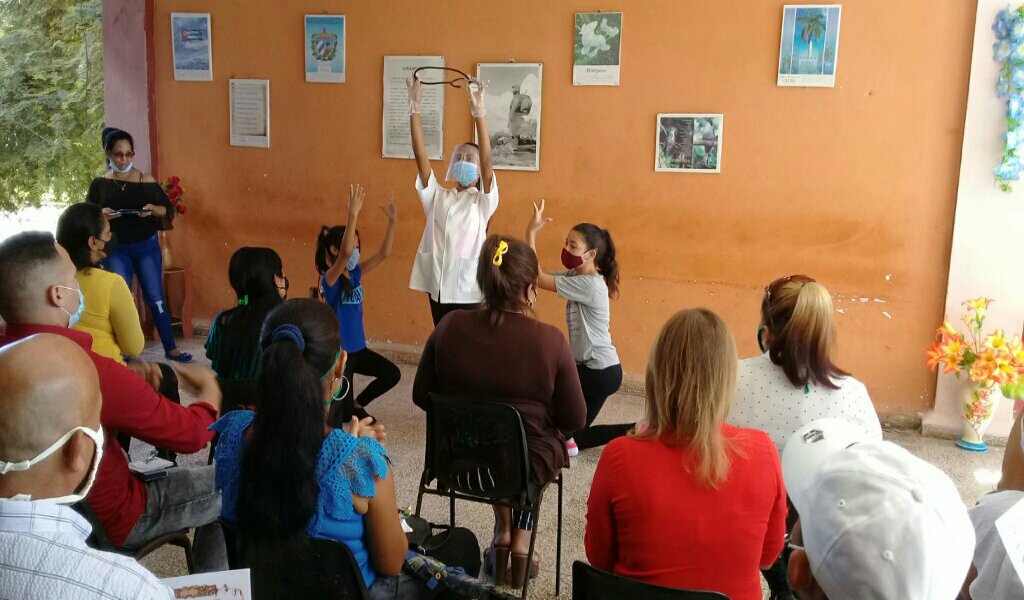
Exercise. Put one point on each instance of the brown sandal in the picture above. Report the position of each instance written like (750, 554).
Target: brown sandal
(519, 570)
(496, 562)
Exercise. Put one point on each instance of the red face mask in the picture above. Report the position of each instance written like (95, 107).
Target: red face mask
(570, 260)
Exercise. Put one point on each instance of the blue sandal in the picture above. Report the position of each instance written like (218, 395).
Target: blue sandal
(183, 357)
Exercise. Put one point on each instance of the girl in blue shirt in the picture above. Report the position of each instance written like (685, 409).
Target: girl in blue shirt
(282, 473)
(341, 268)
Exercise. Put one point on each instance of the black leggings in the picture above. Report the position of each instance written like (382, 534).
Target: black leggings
(438, 310)
(386, 375)
(597, 385)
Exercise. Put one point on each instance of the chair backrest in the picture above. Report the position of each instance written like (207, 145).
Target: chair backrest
(98, 538)
(477, 448)
(238, 393)
(303, 568)
(590, 583)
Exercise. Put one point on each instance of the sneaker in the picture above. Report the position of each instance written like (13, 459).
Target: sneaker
(572, 447)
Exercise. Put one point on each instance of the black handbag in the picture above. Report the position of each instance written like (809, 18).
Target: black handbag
(455, 547)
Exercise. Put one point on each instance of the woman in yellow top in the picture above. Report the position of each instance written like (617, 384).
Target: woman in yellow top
(110, 316)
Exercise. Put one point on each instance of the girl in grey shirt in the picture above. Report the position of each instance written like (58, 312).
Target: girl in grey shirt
(588, 284)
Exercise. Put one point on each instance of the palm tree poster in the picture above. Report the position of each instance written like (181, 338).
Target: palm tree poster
(809, 48)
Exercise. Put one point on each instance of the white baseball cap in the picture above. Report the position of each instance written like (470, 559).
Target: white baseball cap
(878, 523)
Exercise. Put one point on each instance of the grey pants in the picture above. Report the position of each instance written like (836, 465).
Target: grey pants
(186, 498)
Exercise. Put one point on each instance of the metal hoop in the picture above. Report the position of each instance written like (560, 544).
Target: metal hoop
(454, 82)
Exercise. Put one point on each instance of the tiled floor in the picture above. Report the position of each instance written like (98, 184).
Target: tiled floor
(974, 474)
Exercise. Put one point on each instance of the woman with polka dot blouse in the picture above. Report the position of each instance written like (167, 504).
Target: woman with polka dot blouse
(795, 381)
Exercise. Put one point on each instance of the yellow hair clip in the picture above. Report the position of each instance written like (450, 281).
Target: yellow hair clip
(499, 253)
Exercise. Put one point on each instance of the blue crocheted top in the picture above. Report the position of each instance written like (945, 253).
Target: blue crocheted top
(346, 466)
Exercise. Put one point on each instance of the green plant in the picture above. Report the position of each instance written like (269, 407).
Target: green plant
(51, 100)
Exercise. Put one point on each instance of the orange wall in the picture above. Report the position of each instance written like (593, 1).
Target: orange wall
(854, 185)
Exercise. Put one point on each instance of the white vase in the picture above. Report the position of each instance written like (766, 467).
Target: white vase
(978, 407)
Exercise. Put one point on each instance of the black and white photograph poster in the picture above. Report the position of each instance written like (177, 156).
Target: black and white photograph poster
(512, 96)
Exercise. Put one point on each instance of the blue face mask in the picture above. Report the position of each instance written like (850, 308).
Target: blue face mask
(353, 261)
(113, 167)
(465, 172)
(74, 318)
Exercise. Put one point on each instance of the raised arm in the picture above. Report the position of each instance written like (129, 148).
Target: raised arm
(537, 222)
(348, 243)
(479, 112)
(391, 212)
(419, 148)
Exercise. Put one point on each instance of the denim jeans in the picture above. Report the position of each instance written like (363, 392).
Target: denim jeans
(144, 261)
(405, 586)
(185, 498)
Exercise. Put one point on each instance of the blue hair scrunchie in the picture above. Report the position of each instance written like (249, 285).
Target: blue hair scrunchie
(289, 332)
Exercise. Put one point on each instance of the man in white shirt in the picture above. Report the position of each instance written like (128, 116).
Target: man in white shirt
(448, 255)
(50, 447)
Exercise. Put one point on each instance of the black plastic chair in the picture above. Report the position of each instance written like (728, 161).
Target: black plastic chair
(99, 540)
(591, 583)
(303, 568)
(477, 451)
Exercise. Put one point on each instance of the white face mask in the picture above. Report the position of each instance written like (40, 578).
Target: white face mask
(25, 465)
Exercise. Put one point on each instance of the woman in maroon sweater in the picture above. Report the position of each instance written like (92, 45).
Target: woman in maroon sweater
(689, 502)
(501, 353)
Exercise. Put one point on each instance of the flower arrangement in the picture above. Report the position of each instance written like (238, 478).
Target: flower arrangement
(987, 360)
(1009, 52)
(172, 187)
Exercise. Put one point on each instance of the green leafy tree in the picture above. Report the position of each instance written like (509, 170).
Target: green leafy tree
(51, 99)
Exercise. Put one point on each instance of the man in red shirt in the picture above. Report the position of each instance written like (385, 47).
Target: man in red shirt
(39, 294)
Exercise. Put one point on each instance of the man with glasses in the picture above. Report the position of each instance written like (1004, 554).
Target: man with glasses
(876, 522)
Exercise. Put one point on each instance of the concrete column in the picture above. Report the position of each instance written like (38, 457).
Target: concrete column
(127, 74)
(987, 252)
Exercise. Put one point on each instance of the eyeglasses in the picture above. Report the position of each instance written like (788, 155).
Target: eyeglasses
(801, 279)
(454, 82)
(123, 155)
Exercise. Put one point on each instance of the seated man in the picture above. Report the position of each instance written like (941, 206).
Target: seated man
(876, 522)
(39, 294)
(51, 443)
(992, 575)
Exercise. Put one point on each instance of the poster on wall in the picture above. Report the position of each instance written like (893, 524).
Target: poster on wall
(191, 47)
(397, 140)
(249, 112)
(809, 50)
(512, 96)
(325, 48)
(689, 143)
(596, 49)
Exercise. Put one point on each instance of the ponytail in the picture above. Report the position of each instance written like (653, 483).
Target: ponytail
(331, 236)
(600, 240)
(506, 270)
(798, 313)
(279, 487)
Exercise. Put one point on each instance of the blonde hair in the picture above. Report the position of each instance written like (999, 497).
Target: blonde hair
(798, 312)
(690, 384)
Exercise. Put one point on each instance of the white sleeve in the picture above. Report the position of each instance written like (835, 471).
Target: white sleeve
(427, 192)
(490, 199)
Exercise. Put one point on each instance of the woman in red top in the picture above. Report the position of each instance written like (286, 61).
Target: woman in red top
(689, 501)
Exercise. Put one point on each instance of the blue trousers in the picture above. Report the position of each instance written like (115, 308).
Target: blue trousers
(143, 260)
